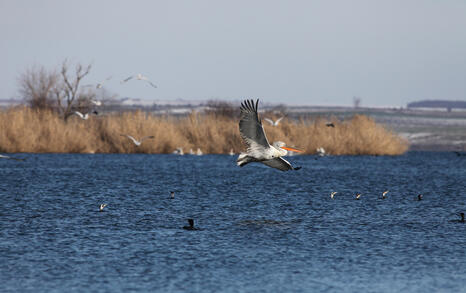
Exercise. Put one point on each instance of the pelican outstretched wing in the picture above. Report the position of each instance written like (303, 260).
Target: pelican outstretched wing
(250, 126)
(278, 163)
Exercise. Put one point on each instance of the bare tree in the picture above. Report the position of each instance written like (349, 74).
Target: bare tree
(68, 95)
(37, 87)
(221, 109)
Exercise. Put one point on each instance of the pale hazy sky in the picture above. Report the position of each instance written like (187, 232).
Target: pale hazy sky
(298, 52)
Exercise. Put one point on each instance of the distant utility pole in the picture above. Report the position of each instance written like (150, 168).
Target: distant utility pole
(356, 102)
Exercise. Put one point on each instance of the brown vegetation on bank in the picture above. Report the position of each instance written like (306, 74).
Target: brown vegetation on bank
(40, 131)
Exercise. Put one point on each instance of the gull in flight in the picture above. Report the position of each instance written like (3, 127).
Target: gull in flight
(274, 123)
(333, 194)
(384, 194)
(258, 147)
(138, 77)
(102, 206)
(97, 103)
(138, 142)
(84, 116)
(358, 196)
(10, 158)
(100, 84)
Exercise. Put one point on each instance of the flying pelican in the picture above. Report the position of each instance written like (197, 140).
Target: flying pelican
(137, 142)
(191, 225)
(274, 123)
(10, 158)
(138, 76)
(333, 194)
(100, 84)
(258, 147)
(384, 193)
(102, 206)
(358, 196)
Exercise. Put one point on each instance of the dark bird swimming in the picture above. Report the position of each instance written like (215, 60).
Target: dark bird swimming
(191, 225)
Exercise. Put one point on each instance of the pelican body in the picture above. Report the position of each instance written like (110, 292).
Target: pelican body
(258, 147)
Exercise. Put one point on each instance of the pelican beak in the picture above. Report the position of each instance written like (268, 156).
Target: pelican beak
(291, 149)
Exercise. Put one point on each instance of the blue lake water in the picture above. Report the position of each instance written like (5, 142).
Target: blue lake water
(262, 230)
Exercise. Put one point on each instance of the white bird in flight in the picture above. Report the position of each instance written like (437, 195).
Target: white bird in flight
(258, 147)
(81, 115)
(100, 84)
(102, 206)
(333, 194)
(138, 142)
(97, 103)
(274, 123)
(384, 193)
(139, 76)
(10, 158)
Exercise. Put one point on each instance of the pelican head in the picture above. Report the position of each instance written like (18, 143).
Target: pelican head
(282, 150)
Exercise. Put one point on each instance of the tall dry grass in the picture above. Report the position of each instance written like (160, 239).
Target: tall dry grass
(26, 130)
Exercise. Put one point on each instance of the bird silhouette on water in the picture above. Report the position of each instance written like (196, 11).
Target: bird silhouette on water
(384, 194)
(191, 225)
(419, 197)
(462, 217)
(172, 194)
(102, 206)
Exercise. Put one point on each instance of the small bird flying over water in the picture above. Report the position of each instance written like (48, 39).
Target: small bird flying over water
(384, 194)
(333, 194)
(357, 196)
(191, 225)
(10, 158)
(274, 123)
(137, 142)
(139, 76)
(258, 147)
(102, 206)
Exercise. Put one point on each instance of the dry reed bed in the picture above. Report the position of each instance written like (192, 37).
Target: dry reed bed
(26, 130)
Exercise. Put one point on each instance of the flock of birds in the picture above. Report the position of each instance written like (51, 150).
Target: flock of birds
(259, 150)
